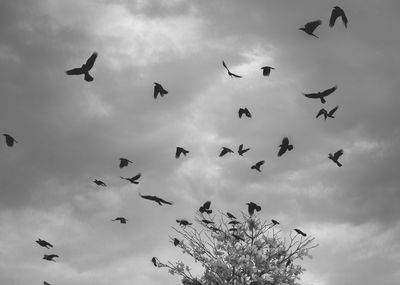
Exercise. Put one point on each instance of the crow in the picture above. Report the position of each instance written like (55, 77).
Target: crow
(321, 95)
(180, 150)
(253, 206)
(238, 237)
(184, 223)
(84, 69)
(326, 113)
(334, 157)
(288, 262)
(45, 283)
(99, 183)
(156, 199)
(230, 216)
(242, 150)
(285, 146)
(50, 257)
(310, 27)
(122, 220)
(300, 232)
(9, 140)
(44, 243)
(275, 222)
(229, 72)
(244, 111)
(124, 162)
(258, 165)
(266, 70)
(158, 89)
(176, 241)
(155, 261)
(336, 13)
(224, 151)
(206, 208)
(133, 179)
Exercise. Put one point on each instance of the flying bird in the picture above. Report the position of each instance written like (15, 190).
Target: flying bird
(124, 162)
(122, 220)
(229, 72)
(133, 179)
(99, 183)
(334, 157)
(275, 222)
(176, 241)
(258, 165)
(50, 257)
(184, 223)
(321, 95)
(45, 283)
(230, 216)
(84, 69)
(242, 150)
(284, 146)
(266, 70)
(158, 89)
(155, 261)
(179, 151)
(253, 206)
(310, 27)
(205, 208)
(225, 150)
(44, 243)
(300, 232)
(10, 140)
(326, 113)
(244, 111)
(156, 199)
(336, 13)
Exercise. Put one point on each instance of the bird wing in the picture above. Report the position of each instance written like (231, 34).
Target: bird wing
(334, 16)
(240, 112)
(156, 89)
(235, 75)
(260, 163)
(75, 71)
(328, 91)
(148, 197)
(207, 205)
(285, 141)
(248, 114)
(344, 18)
(338, 154)
(163, 201)
(223, 63)
(282, 150)
(321, 112)
(331, 112)
(136, 177)
(312, 95)
(311, 26)
(178, 152)
(90, 62)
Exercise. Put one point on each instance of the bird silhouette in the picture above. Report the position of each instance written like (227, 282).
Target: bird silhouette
(124, 162)
(242, 150)
(50, 257)
(84, 69)
(310, 27)
(156, 199)
(326, 113)
(253, 206)
(205, 208)
(334, 157)
(45, 283)
(158, 89)
(225, 150)
(184, 223)
(258, 165)
(336, 13)
(288, 262)
(155, 261)
(238, 237)
(275, 222)
(179, 151)
(214, 229)
(234, 222)
(122, 220)
(266, 70)
(44, 243)
(207, 221)
(300, 232)
(244, 111)
(284, 146)
(9, 140)
(176, 241)
(321, 95)
(230, 216)
(99, 183)
(229, 72)
(133, 179)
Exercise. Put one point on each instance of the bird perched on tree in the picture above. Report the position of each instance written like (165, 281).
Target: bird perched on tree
(122, 220)
(334, 157)
(266, 70)
(99, 183)
(275, 222)
(176, 241)
(133, 179)
(310, 27)
(184, 223)
(258, 165)
(284, 146)
(84, 69)
(9, 140)
(242, 150)
(155, 261)
(229, 72)
(300, 232)
(205, 208)
(50, 257)
(225, 150)
(156, 199)
(44, 243)
(288, 262)
(230, 216)
(158, 89)
(336, 13)
(179, 151)
(244, 111)
(321, 95)
(253, 206)
(326, 113)
(124, 162)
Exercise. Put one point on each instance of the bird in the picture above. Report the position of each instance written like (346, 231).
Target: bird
(156, 199)
(234, 222)
(179, 151)
(84, 69)
(321, 95)
(46, 283)
(100, 183)
(242, 150)
(155, 261)
(10, 140)
(229, 72)
(253, 206)
(224, 151)
(310, 27)
(207, 221)
(258, 165)
(122, 220)
(244, 111)
(214, 229)
(205, 208)
(50, 257)
(238, 237)
(233, 229)
(158, 89)
(184, 223)
(133, 179)
(336, 13)
(44, 243)
(326, 113)
(284, 146)
(334, 157)
(275, 222)
(288, 262)
(266, 70)
(300, 232)
(176, 241)
(124, 162)
(230, 216)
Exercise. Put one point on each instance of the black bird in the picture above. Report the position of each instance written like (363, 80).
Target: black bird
(184, 223)
(310, 27)
(234, 222)
(229, 72)
(253, 206)
(156, 199)
(207, 221)
(242, 150)
(155, 261)
(300, 232)
(44, 243)
(334, 157)
(206, 208)
(45, 283)
(266, 70)
(99, 183)
(321, 95)
(244, 111)
(158, 89)
(285, 146)
(133, 179)
(214, 229)
(179, 151)
(326, 113)
(9, 140)
(84, 69)
(288, 262)
(258, 165)
(336, 13)
(122, 220)
(176, 241)
(230, 216)
(275, 222)
(238, 237)
(124, 162)
(50, 257)
(225, 150)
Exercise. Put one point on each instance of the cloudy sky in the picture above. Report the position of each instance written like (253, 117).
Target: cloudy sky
(71, 132)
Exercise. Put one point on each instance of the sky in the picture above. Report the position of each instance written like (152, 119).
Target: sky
(71, 132)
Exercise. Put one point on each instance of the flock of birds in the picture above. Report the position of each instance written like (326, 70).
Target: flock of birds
(159, 90)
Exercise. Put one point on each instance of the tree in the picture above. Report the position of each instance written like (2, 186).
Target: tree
(248, 251)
